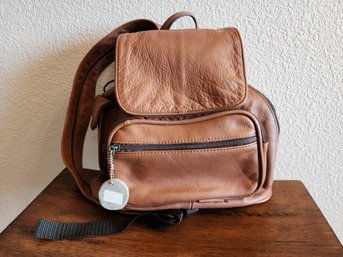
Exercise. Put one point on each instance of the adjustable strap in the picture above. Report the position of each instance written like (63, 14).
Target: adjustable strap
(51, 230)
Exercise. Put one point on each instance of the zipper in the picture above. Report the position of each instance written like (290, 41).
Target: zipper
(112, 150)
(182, 146)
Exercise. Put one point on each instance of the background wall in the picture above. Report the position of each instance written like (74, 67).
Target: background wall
(293, 54)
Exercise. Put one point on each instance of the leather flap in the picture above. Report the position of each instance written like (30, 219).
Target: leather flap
(172, 72)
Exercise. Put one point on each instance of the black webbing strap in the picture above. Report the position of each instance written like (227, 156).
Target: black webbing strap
(160, 220)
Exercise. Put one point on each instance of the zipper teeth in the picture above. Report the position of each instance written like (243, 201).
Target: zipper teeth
(186, 146)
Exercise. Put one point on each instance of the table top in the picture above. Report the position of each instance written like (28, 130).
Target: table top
(290, 224)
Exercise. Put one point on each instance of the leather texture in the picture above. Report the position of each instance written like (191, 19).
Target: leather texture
(174, 72)
(173, 87)
(214, 127)
(198, 174)
(81, 102)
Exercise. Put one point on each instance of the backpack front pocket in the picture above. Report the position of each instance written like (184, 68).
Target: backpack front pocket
(218, 157)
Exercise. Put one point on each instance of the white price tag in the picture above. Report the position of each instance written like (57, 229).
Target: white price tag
(113, 195)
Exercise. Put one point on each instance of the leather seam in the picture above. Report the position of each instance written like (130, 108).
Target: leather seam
(269, 107)
(183, 141)
(197, 204)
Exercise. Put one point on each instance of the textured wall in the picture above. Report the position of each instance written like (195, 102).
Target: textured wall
(293, 54)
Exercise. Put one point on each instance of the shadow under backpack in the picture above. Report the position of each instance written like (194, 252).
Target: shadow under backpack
(179, 131)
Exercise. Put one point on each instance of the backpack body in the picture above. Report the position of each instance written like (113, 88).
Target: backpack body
(181, 127)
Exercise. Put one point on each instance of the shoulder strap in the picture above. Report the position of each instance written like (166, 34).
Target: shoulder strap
(81, 100)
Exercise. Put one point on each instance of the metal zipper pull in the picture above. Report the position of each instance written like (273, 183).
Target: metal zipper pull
(111, 152)
(114, 193)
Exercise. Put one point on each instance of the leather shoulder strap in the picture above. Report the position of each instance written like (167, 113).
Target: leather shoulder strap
(81, 100)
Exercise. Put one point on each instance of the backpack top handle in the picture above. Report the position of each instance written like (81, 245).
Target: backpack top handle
(169, 22)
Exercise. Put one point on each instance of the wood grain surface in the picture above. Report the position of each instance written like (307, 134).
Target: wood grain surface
(290, 224)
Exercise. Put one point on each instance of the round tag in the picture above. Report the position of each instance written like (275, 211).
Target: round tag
(113, 196)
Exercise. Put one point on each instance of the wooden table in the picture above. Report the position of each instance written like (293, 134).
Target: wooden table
(290, 224)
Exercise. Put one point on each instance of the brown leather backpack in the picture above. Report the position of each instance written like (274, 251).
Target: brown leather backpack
(180, 129)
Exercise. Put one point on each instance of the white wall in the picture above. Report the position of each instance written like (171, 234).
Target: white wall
(293, 54)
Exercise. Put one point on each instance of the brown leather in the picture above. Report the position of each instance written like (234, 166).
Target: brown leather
(205, 77)
(197, 175)
(209, 128)
(204, 181)
(99, 104)
(169, 22)
(81, 101)
(259, 105)
(207, 100)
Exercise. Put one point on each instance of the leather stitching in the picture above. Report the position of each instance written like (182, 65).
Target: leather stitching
(269, 107)
(183, 141)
